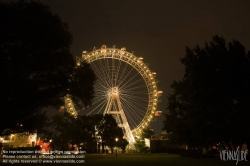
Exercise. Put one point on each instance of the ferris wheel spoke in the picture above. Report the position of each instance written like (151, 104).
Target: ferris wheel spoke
(130, 83)
(135, 90)
(98, 99)
(99, 94)
(104, 68)
(97, 106)
(136, 104)
(134, 115)
(118, 71)
(140, 87)
(100, 88)
(126, 76)
(135, 97)
(132, 122)
(133, 119)
(140, 113)
(103, 105)
(134, 82)
(100, 74)
(135, 101)
(122, 74)
(113, 73)
(137, 93)
(133, 108)
(108, 72)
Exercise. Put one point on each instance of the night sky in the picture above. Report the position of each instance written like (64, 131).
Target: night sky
(157, 30)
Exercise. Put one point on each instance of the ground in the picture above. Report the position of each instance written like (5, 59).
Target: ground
(155, 159)
(148, 160)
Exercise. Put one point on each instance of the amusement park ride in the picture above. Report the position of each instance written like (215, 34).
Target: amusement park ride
(125, 88)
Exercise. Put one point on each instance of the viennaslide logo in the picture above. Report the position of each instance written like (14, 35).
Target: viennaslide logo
(233, 155)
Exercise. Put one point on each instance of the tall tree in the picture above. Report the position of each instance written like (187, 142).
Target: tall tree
(59, 129)
(108, 130)
(122, 144)
(64, 129)
(83, 133)
(211, 103)
(140, 144)
(147, 133)
(36, 66)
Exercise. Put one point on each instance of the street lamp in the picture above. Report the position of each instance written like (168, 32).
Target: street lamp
(50, 145)
(116, 139)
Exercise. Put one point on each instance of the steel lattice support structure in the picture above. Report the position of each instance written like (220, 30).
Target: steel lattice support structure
(114, 107)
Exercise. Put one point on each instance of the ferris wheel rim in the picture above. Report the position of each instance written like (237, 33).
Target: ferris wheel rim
(138, 64)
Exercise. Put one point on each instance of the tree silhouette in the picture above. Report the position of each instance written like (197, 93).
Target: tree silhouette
(211, 103)
(147, 133)
(108, 130)
(140, 144)
(122, 143)
(36, 66)
(59, 129)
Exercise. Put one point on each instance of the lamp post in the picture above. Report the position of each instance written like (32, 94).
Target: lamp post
(116, 139)
(50, 148)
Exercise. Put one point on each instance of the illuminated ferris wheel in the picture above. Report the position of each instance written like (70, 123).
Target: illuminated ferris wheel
(125, 88)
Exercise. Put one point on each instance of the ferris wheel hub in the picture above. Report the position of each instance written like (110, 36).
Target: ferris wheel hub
(114, 90)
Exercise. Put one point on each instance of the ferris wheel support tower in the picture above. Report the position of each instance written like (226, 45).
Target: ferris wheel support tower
(114, 107)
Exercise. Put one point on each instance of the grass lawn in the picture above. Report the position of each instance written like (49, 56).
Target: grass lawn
(155, 159)
(149, 159)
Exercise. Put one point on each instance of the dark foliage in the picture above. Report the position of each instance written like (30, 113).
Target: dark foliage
(147, 133)
(83, 131)
(36, 66)
(211, 103)
(108, 130)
